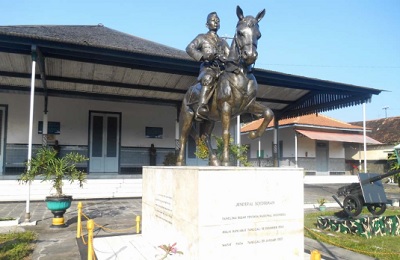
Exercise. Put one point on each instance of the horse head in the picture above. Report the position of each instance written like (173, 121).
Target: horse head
(246, 37)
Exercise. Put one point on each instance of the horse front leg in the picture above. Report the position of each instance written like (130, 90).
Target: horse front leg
(226, 124)
(257, 109)
(187, 121)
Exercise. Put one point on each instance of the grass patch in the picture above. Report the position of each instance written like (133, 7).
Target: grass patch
(7, 219)
(17, 245)
(380, 247)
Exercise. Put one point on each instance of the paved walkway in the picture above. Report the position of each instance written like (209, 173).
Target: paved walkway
(120, 214)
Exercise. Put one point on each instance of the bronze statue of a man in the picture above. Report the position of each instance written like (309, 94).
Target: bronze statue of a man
(212, 51)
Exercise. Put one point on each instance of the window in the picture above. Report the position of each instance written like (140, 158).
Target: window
(154, 132)
(53, 128)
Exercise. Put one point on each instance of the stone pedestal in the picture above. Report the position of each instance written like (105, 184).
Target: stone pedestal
(225, 212)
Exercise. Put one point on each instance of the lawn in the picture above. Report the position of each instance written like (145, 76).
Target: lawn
(380, 247)
(17, 245)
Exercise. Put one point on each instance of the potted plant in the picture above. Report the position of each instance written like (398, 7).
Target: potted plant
(46, 164)
(321, 204)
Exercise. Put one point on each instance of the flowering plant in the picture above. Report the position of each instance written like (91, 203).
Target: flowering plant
(321, 201)
(170, 250)
(236, 152)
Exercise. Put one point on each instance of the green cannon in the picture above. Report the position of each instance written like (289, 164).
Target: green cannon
(368, 192)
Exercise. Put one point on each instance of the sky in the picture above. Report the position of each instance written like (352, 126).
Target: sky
(348, 41)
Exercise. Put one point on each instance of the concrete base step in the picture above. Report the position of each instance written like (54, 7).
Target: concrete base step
(11, 190)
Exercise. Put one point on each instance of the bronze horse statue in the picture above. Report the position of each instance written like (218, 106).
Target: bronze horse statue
(234, 94)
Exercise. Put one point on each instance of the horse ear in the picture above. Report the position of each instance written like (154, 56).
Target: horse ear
(260, 15)
(239, 13)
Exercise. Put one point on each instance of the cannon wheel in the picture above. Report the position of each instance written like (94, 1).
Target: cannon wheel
(352, 205)
(377, 208)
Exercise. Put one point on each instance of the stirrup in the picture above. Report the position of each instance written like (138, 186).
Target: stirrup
(198, 116)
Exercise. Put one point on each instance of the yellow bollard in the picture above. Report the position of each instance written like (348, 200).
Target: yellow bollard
(90, 227)
(137, 224)
(79, 222)
(315, 255)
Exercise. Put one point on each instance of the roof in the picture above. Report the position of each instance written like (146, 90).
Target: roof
(385, 130)
(314, 120)
(96, 62)
(93, 35)
(338, 137)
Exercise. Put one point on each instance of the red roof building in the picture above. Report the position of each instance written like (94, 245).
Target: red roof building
(315, 142)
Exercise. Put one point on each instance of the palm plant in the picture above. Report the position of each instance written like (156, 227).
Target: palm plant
(47, 165)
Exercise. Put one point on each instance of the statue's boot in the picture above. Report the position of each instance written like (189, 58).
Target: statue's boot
(202, 110)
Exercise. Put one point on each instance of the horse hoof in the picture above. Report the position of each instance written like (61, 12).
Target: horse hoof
(180, 164)
(214, 162)
(252, 135)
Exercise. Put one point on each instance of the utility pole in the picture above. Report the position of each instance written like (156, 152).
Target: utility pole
(385, 108)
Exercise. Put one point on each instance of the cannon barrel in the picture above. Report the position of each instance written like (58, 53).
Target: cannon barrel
(380, 177)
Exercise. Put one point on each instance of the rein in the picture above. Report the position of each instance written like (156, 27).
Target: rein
(238, 64)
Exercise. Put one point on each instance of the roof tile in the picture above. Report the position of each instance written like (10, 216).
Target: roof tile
(385, 130)
(309, 120)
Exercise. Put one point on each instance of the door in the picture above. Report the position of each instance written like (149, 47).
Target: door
(104, 142)
(2, 136)
(322, 155)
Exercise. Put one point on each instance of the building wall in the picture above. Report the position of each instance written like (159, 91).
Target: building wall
(265, 142)
(374, 152)
(73, 115)
(376, 155)
(336, 150)
(306, 147)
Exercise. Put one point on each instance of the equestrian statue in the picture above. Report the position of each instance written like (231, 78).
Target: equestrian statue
(226, 86)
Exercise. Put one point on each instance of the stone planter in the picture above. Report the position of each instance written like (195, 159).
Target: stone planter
(8, 223)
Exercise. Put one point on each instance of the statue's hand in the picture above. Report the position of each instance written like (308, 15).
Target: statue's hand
(222, 58)
(210, 57)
